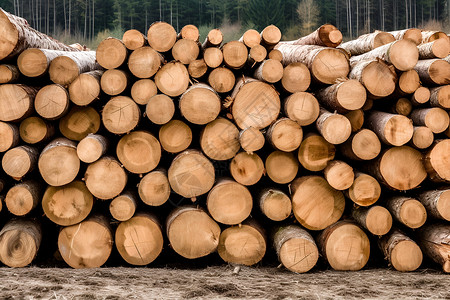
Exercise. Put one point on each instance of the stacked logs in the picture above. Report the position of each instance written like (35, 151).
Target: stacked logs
(301, 147)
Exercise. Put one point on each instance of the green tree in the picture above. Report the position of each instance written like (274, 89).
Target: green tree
(265, 12)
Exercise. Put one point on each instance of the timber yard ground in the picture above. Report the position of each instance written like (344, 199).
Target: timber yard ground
(219, 282)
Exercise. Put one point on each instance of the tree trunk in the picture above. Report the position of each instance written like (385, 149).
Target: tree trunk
(175, 136)
(365, 190)
(251, 38)
(434, 240)
(79, 122)
(161, 36)
(213, 57)
(160, 109)
(213, 39)
(342, 97)
(144, 62)
(335, 128)
(9, 136)
(407, 211)
(437, 203)
(52, 102)
(296, 78)
(164, 79)
(401, 252)
(440, 97)
(120, 115)
(16, 101)
(91, 148)
(439, 48)
(197, 68)
(65, 68)
(367, 42)
(315, 152)
(339, 175)
(392, 129)
(436, 161)
(376, 219)
(281, 167)
(430, 36)
(362, 145)
(85, 88)
(134, 39)
(412, 34)
(285, 135)
(326, 35)
(200, 104)
(235, 54)
(9, 74)
(189, 32)
(221, 79)
(154, 188)
(114, 81)
(123, 207)
(247, 169)
(219, 139)
(433, 71)
(275, 204)
(251, 139)
(434, 118)
(111, 53)
(23, 197)
(19, 161)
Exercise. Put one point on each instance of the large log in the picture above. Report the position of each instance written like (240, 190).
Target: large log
(361, 145)
(434, 240)
(401, 251)
(247, 169)
(437, 203)
(134, 39)
(434, 118)
(251, 38)
(175, 136)
(235, 54)
(160, 109)
(34, 62)
(200, 104)
(114, 81)
(213, 57)
(197, 68)
(285, 135)
(281, 167)
(302, 107)
(79, 122)
(120, 115)
(111, 53)
(161, 36)
(343, 96)
(422, 138)
(144, 62)
(437, 161)
(315, 152)
(275, 204)
(19, 161)
(365, 190)
(219, 139)
(16, 101)
(433, 71)
(52, 102)
(429, 36)
(65, 68)
(85, 88)
(413, 34)
(154, 188)
(339, 175)
(367, 42)
(376, 76)
(172, 79)
(376, 219)
(439, 48)
(189, 32)
(440, 97)
(221, 79)
(143, 90)
(407, 211)
(23, 197)
(392, 129)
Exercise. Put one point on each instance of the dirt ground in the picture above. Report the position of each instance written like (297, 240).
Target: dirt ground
(219, 282)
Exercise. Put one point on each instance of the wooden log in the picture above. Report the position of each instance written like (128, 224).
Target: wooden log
(221, 80)
(192, 233)
(213, 39)
(191, 174)
(408, 211)
(247, 169)
(244, 244)
(154, 188)
(376, 219)
(335, 128)
(20, 240)
(285, 135)
(391, 129)
(91, 148)
(111, 53)
(114, 82)
(281, 167)
(23, 197)
(16, 101)
(429, 36)
(166, 83)
(197, 68)
(421, 96)
(85, 89)
(9, 136)
(356, 118)
(160, 109)
(229, 202)
(440, 97)
(87, 244)
(34, 62)
(269, 70)
(439, 48)
(339, 175)
(161, 36)
(402, 106)
(139, 151)
(123, 207)
(120, 115)
(434, 240)
(433, 71)
(399, 168)
(17, 36)
(345, 246)
(408, 82)
(65, 68)
(361, 145)
(275, 54)
(139, 240)
(9, 73)
(434, 118)
(144, 62)
(376, 76)
(401, 251)
(79, 122)
(270, 35)
(296, 78)
(296, 249)
(185, 51)
(436, 161)
(325, 64)
(189, 32)
(219, 139)
(19, 161)
(68, 204)
(134, 39)
(367, 42)
(52, 102)
(175, 136)
(33, 130)
(251, 38)
(235, 54)
(343, 96)
(315, 152)
(422, 138)
(437, 203)
(58, 163)
(251, 139)
(105, 178)
(200, 104)
(257, 54)
(213, 57)
(275, 204)
(412, 34)
(326, 35)
(365, 190)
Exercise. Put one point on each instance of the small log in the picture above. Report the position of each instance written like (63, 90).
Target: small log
(144, 62)
(407, 211)
(91, 148)
(440, 97)
(345, 246)
(281, 167)
(401, 251)
(412, 34)
(437, 203)
(213, 57)
(114, 82)
(275, 54)
(367, 42)
(134, 39)
(251, 139)
(16, 101)
(219, 139)
(111, 53)
(19, 161)
(165, 82)
(160, 109)
(154, 188)
(161, 36)
(123, 207)
(326, 35)
(408, 82)
(401, 107)
(68, 204)
(433, 71)
(392, 129)
(213, 39)
(296, 249)
(361, 145)
(422, 138)
(364, 191)
(9, 73)
(139, 240)
(251, 38)
(270, 35)
(434, 240)
(421, 96)
(247, 169)
(192, 233)
(189, 32)
(296, 78)
(120, 115)
(275, 204)
(221, 80)
(52, 102)
(439, 48)
(9, 136)
(175, 136)
(257, 54)
(200, 104)
(335, 128)
(429, 36)
(343, 96)
(197, 68)
(270, 71)
(376, 219)
(339, 175)
(65, 68)
(23, 197)
(434, 118)
(235, 54)
(34, 62)
(436, 161)
(315, 152)
(85, 89)
(356, 118)
(87, 244)
(285, 135)
(79, 122)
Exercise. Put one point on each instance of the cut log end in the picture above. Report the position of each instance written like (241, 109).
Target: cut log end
(144, 62)
(251, 139)
(154, 188)
(281, 167)
(133, 39)
(406, 256)
(160, 109)
(142, 90)
(296, 78)
(200, 104)
(326, 72)
(120, 115)
(175, 136)
(52, 102)
(315, 153)
(247, 169)
(105, 178)
(365, 190)
(339, 175)
(161, 36)
(111, 53)
(378, 220)
(275, 204)
(302, 107)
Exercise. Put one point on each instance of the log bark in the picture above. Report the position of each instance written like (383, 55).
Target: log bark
(65, 68)
(437, 203)
(9, 73)
(200, 104)
(285, 135)
(160, 109)
(335, 128)
(23, 197)
(315, 152)
(213, 57)
(343, 96)
(34, 130)
(422, 138)
(275, 204)
(52, 102)
(221, 80)
(251, 139)
(120, 115)
(114, 82)
(144, 62)
(376, 219)
(251, 38)
(281, 167)
(436, 161)
(440, 97)
(123, 207)
(19, 161)
(339, 175)
(189, 32)
(434, 240)
(361, 145)
(364, 191)
(161, 36)
(429, 36)
(407, 211)
(175, 136)
(165, 82)
(434, 118)
(391, 129)
(367, 42)
(433, 71)
(401, 251)
(296, 78)
(154, 188)
(79, 122)
(412, 34)
(219, 140)
(85, 89)
(9, 136)
(16, 101)
(439, 48)
(134, 39)
(247, 169)
(91, 148)
(111, 53)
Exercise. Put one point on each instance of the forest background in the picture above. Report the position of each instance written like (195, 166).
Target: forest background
(90, 21)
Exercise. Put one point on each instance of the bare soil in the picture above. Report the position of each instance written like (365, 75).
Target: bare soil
(219, 282)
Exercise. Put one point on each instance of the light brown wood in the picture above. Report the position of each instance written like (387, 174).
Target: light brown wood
(87, 244)
(175, 136)
(376, 76)
(412, 34)
(433, 71)
(251, 139)
(79, 122)
(326, 35)
(85, 88)
(408, 82)
(160, 109)
(421, 96)
(16, 101)
(345, 246)
(335, 128)
(120, 115)
(296, 78)
(19, 161)
(200, 104)
(221, 80)
(281, 167)
(161, 36)
(257, 54)
(434, 118)
(111, 53)
(296, 249)
(219, 139)
(361, 145)
(402, 252)
(23, 197)
(365, 190)
(9, 136)
(275, 54)
(436, 161)
(52, 102)
(213, 57)
(139, 152)
(356, 118)
(134, 39)
(34, 62)
(343, 96)
(213, 39)
(251, 38)
(65, 68)
(440, 97)
(123, 207)
(285, 135)
(8, 73)
(144, 62)
(270, 71)
(302, 107)
(367, 42)
(434, 240)
(189, 32)
(244, 245)
(439, 48)
(247, 169)
(20, 240)
(192, 233)
(339, 175)
(185, 51)
(235, 54)
(422, 138)
(197, 68)
(275, 204)
(270, 35)
(437, 203)
(114, 82)
(315, 152)
(68, 204)
(91, 148)
(229, 202)
(154, 188)
(191, 174)
(172, 79)
(429, 36)
(408, 211)
(376, 219)
(139, 240)
(391, 129)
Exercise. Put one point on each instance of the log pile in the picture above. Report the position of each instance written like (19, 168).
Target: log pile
(300, 148)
